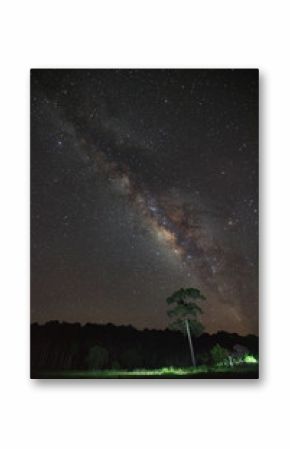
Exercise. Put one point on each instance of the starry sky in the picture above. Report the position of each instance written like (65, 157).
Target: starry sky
(143, 182)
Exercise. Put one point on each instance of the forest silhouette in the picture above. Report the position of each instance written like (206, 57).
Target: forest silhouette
(59, 346)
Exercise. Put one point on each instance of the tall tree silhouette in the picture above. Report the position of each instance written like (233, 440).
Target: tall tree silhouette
(185, 314)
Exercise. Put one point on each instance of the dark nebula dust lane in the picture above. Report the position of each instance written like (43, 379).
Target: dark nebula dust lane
(143, 182)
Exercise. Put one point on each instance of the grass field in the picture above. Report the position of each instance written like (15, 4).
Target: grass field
(244, 371)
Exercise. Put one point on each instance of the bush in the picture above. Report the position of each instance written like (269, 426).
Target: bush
(219, 354)
(98, 358)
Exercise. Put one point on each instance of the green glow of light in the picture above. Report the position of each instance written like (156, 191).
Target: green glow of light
(250, 359)
(167, 371)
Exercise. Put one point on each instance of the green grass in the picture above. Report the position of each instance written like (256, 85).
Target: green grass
(249, 371)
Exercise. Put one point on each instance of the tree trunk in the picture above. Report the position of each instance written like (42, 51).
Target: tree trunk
(190, 344)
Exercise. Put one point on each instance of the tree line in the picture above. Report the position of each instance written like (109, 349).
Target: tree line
(72, 346)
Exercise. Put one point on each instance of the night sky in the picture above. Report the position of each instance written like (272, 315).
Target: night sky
(143, 182)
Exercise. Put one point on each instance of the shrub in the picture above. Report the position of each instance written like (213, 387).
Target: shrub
(97, 358)
(219, 354)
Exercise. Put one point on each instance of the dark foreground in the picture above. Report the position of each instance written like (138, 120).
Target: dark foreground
(245, 371)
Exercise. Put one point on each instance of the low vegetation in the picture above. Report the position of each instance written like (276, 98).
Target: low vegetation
(243, 370)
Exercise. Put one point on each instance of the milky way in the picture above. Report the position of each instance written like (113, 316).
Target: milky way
(144, 182)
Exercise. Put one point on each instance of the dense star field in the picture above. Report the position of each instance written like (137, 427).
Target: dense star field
(143, 182)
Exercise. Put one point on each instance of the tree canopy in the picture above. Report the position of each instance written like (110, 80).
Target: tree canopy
(185, 309)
